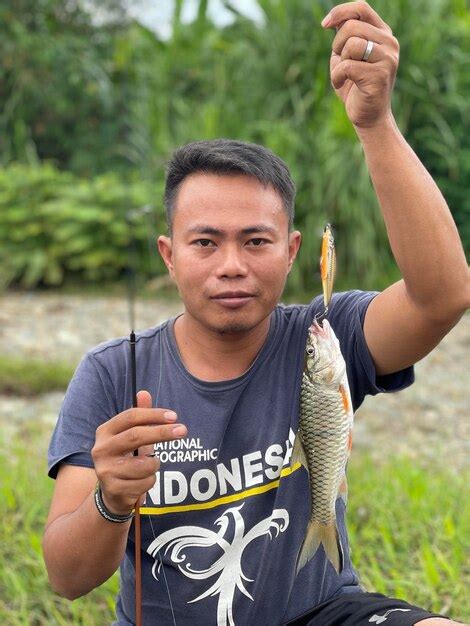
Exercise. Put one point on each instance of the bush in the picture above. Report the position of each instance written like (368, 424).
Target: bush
(54, 225)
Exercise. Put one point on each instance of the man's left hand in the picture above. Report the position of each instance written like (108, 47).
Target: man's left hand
(365, 87)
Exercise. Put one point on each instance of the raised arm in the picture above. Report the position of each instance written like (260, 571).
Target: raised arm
(409, 318)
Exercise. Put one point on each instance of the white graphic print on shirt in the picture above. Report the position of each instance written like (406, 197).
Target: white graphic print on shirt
(228, 566)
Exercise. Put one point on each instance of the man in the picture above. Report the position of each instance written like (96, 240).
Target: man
(223, 522)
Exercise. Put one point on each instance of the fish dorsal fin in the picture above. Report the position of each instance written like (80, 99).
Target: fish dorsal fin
(298, 453)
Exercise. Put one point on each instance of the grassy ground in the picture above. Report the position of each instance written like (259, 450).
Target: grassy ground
(409, 529)
(27, 377)
(410, 533)
(25, 491)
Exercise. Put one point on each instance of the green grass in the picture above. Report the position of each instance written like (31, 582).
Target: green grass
(409, 530)
(25, 492)
(26, 377)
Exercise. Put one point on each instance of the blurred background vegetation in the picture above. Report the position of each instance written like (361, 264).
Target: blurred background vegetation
(93, 103)
(91, 110)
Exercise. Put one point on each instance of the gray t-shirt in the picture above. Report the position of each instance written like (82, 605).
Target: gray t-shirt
(227, 514)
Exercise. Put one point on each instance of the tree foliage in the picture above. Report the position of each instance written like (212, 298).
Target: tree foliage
(61, 96)
(114, 97)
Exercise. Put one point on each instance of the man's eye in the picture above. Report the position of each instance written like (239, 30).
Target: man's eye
(203, 243)
(257, 242)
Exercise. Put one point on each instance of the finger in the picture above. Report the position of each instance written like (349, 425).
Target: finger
(138, 436)
(355, 47)
(353, 28)
(374, 75)
(121, 489)
(134, 417)
(144, 399)
(135, 468)
(147, 450)
(355, 11)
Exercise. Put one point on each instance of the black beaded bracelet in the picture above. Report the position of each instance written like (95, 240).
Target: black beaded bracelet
(106, 513)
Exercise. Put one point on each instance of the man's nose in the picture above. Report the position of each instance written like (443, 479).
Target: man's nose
(232, 262)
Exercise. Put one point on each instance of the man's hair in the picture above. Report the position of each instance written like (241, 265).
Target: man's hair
(228, 157)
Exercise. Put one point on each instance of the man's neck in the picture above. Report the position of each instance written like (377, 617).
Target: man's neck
(212, 356)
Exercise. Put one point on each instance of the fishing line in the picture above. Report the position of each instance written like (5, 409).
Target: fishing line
(150, 516)
(322, 581)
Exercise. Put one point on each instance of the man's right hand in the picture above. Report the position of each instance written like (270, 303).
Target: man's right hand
(123, 477)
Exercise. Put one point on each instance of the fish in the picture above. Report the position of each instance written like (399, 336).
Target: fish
(324, 438)
(323, 441)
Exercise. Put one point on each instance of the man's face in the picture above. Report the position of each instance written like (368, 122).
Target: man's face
(230, 238)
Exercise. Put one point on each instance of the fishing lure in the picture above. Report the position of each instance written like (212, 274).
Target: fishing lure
(327, 265)
(327, 270)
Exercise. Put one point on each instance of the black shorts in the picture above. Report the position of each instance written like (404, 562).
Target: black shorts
(363, 609)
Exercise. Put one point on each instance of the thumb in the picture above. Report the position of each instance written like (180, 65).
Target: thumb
(144, 399)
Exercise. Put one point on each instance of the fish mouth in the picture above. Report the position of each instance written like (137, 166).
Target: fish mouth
(316, 329)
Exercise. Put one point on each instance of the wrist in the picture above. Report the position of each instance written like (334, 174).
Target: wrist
(110, 512)
(385, 125)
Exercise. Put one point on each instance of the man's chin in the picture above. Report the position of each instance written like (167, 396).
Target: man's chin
(233, 328)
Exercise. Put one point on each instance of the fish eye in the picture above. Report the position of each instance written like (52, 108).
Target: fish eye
(310, 350)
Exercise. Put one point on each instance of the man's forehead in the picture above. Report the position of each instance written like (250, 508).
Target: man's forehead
(210, 190)
(223, 223)
(208, 202)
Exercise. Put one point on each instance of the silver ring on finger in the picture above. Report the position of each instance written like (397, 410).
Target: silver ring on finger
(368, 50)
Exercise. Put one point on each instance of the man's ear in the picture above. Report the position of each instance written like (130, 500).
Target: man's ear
(165, 248)
(295, 241)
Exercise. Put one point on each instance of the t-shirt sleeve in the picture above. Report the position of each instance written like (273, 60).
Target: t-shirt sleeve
(346, 315)
(89, 401)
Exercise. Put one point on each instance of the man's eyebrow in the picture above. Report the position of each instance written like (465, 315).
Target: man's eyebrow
(210, 230)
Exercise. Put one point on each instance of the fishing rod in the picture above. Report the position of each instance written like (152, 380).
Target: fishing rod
(131, 296)
(131, 289)
(137, 527)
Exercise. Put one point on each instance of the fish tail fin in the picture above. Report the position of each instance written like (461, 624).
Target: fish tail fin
(298, 453)
(328, 536)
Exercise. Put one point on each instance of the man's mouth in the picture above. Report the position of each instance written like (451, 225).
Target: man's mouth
(233, 299)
